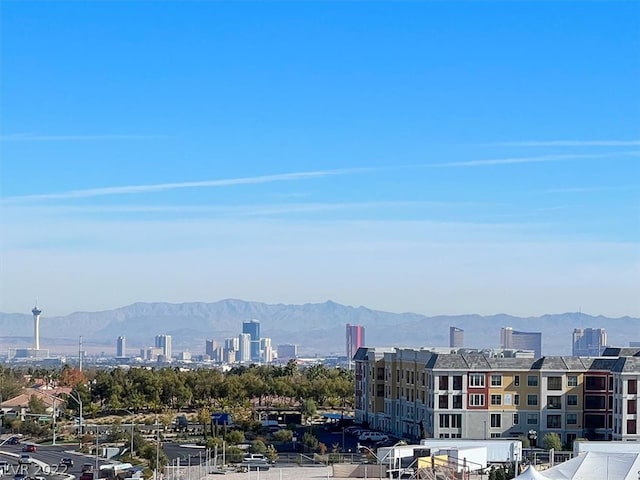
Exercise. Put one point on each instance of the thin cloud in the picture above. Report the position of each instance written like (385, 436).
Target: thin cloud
(237, 210)
(139, 189)
(28, 137)
(570, 143)
(592, 189)
(536, 159)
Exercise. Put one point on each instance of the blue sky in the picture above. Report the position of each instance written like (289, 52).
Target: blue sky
(437, 157)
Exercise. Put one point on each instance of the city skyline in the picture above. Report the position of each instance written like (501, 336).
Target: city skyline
(433, 157)
(203, 320)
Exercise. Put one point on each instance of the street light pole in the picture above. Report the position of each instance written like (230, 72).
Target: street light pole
(157, 449)
(79, 401)
(53, 417)
(532, 435)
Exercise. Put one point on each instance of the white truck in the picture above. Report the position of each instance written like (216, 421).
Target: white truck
(498, 451)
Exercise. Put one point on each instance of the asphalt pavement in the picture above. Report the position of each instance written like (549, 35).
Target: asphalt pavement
(47, 460)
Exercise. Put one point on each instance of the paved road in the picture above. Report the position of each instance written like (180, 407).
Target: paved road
(48, 455)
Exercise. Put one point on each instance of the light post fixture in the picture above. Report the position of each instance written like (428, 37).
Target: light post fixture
(132, 427)
(532, 435)
(157, 449)
(53, 417)
(79, 401)
(384, 457)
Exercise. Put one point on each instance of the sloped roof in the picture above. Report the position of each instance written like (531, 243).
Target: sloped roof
(596, 466)
(22, 400)
(626, 365)
(530, 473)
(621, 352)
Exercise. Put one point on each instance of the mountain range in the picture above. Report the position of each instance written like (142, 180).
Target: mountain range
(317, 328)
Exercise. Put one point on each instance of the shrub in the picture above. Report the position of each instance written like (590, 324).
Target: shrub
(283, 435)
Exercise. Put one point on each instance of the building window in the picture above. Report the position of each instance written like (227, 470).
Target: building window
(476, 380)
(496, 399)
(554, 402)
(443, 401)
(457, 382)
(496, 380)
(532, 381)
(443, 383)
(457, 401)
(572, 418)
(532, 418)
(631, 427)
(476, 400)
(456, 421)
(595, 402)
(554, 383)
(532, 399)
(572, 381)
(495, 435)
(554, 421)
(496, 420)
(572, 400)
(516, 399)
(444, 420)
(516, 380)
(632, 406)
(595, 383)
(632, 386)
(516, 418)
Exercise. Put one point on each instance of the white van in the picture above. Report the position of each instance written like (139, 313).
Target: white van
(255, 458)
(372, 437)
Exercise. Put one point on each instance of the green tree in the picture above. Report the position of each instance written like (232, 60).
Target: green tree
(235, 437)
(37, 405)
(258, 446)
(310, 441)
(552, 440)
(271, 454)
(283, 435)
(204, 417)
(309, 408)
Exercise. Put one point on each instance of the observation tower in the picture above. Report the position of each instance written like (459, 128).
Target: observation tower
(36, 328)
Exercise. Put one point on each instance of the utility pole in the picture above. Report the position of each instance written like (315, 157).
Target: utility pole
(80, 353)
(157, 449)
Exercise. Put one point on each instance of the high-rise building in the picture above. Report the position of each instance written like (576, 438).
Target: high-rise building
(588, 342)
(244, 342)
(287, 351)
(355, 340)
(456, 337)
(211, 349)
(252, 327)
(121, 347)
(164, 342)
(513, 339)
(266, 350)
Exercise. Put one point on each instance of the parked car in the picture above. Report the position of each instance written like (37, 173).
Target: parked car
(87, 467)
(372, 437)
(25, 459)
(67, 462)
(254, 457)
(352, 430)
(28, 447)
(13, 441)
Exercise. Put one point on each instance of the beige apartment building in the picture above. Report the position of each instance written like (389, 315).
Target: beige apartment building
(431, 393)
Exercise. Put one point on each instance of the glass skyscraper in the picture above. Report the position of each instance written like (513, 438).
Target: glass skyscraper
(252, 327)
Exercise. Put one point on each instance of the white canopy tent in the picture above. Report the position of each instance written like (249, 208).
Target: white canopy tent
(591, 466)
(531, 473)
